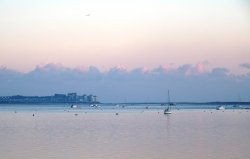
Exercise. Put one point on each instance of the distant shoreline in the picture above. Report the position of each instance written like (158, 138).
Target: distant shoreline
(129, 103)
(181, 103)
(70, 98)
(74, 98)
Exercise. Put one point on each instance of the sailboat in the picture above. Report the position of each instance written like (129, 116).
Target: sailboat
(168, 109)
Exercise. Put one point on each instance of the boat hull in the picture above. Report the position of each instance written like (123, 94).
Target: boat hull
(167, 112)
(220, 108)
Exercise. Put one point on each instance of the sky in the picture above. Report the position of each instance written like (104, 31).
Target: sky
(105, 34)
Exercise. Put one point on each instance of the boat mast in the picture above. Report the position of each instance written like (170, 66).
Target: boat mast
(168, 97)
(167, 110)
(169, 105)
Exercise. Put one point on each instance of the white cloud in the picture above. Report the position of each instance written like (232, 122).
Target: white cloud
(245, 65)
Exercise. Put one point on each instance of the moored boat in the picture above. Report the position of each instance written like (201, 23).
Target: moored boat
(221, 107)
(168, 109)
(74, 106)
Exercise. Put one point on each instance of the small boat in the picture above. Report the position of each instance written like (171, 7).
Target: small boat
(74, 106)
(221, 107)
(94, 105)
(167, 111)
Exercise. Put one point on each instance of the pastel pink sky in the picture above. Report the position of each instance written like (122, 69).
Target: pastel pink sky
(125, 33)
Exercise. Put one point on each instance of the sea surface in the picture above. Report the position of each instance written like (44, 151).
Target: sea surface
(117, 132)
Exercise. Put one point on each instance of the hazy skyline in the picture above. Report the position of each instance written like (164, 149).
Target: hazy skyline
(124, 33)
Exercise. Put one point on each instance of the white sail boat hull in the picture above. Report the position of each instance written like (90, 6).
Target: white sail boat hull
(167, 112)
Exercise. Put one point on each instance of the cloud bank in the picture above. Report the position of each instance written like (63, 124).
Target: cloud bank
(186, 83)
(245, 65)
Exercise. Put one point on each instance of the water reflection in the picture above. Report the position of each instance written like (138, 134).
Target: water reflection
(167, 118)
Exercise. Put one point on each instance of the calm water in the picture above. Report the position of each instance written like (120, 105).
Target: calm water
(133, 134)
